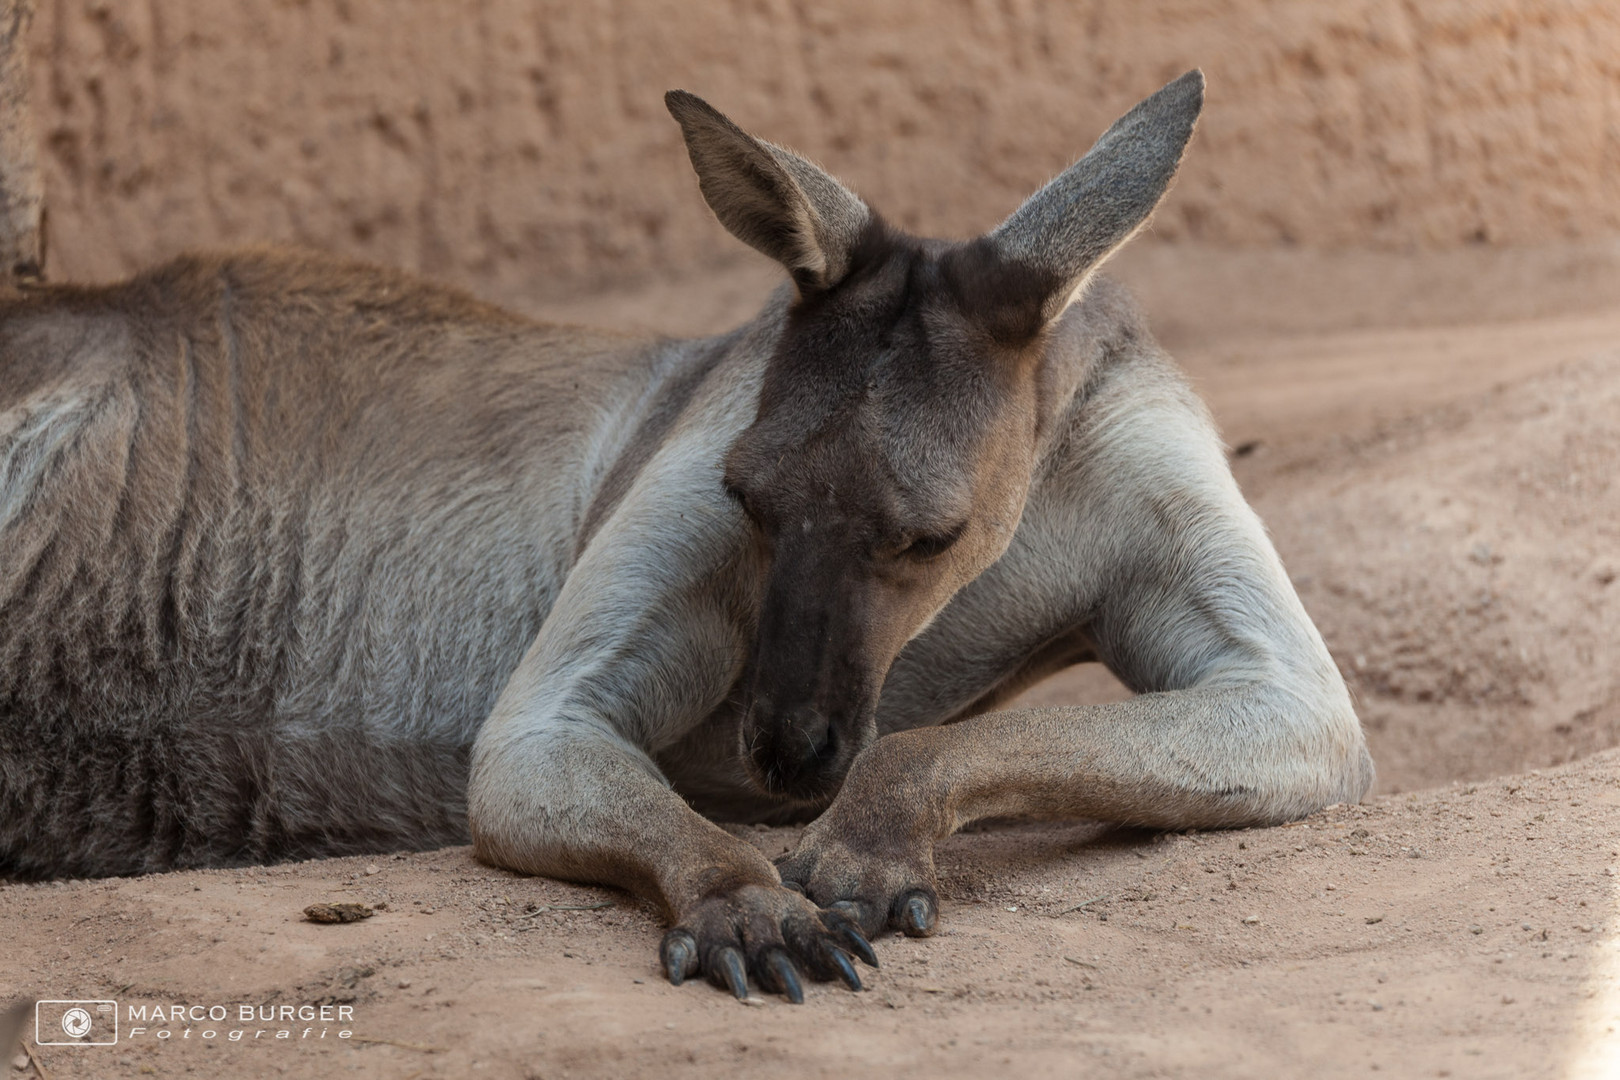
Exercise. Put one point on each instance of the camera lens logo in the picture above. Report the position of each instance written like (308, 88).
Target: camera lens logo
(76, 1023)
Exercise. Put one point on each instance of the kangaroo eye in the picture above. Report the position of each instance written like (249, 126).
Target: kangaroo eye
(737, 496)
(931, 545)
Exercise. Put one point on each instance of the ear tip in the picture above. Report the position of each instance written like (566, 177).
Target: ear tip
(1190, 86)
(683, 103)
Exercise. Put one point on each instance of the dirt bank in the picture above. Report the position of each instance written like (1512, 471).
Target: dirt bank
(520, 146)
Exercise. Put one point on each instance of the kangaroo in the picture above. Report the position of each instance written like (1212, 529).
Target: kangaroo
(300, 558)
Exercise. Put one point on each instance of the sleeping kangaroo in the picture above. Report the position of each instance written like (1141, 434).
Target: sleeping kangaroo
(304, 558)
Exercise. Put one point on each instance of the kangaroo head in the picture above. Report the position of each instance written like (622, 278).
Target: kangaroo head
(900, 414)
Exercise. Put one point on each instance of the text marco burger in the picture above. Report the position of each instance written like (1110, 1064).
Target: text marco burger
(245, 1014)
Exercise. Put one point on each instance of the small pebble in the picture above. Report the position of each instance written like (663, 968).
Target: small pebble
(336, 913)
(1250, 920)
(373, 869)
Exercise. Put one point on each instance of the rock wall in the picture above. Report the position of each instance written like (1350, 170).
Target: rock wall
(520, 147)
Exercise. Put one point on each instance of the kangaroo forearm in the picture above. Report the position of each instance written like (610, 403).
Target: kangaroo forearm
(585, 815)
(1095, 762)
(1000, 765)
(1193, 758)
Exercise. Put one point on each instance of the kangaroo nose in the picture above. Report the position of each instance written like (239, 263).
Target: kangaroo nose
(814, 733)
(794, 746)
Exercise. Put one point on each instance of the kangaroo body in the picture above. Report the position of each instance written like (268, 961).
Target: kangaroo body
(300, 557)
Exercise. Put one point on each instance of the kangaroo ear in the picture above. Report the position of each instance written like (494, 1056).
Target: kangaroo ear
(1071, 225)
(769, 198)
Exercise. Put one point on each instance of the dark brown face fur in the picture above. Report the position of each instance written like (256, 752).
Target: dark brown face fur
(887, 467)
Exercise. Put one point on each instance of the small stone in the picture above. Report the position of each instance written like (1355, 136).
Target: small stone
(1476, 929)
(373, 869)
(1507, 999)
(1371, 919)
(754, 1001)
(1251, 920)
(1376, 1006)
(404, 984)
(337, 913)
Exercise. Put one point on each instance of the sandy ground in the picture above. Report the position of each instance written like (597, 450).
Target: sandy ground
(1444, 496)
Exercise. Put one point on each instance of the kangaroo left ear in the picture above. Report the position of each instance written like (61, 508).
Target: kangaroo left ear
(1066, 230)
(769, 198)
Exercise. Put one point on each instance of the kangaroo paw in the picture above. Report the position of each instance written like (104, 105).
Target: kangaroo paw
(772, 935)
(875, 893)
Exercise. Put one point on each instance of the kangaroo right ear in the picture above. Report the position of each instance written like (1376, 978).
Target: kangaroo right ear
(769, 198)
(1066, 229)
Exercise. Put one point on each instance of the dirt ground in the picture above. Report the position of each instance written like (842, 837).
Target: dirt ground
(1443, 490)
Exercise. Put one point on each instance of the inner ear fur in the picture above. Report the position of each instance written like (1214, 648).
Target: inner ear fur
(770, 198)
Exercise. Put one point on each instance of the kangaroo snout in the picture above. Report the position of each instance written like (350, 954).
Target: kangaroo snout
(803, 749)
(791, 753)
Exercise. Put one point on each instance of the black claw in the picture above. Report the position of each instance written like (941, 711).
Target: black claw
(793, 886)
(918, 919)
(856, 942)
(679, 956)
(735, 974)
(787, 976)
(846, 969)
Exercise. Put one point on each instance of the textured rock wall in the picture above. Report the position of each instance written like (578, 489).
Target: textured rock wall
(520, 147)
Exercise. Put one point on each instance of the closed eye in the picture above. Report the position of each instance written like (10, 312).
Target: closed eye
(738, 496)
(932, 545)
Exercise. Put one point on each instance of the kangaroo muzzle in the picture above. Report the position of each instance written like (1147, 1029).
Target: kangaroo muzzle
(812, 696)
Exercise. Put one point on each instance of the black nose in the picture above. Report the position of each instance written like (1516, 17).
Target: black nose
(793, 749)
